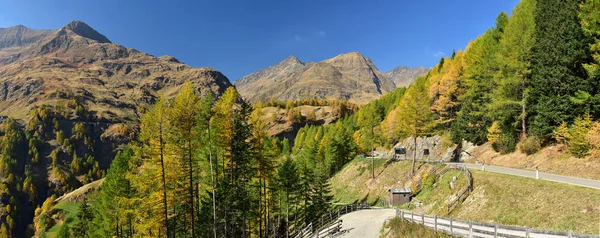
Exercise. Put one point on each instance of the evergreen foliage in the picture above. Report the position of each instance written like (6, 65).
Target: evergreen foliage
(557, 71)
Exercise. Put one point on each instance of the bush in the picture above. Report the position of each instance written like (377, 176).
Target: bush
(578, 140)
(506, 144)
(530, 145)
(428, 180)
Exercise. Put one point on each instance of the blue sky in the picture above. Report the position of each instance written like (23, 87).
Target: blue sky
(240, 37)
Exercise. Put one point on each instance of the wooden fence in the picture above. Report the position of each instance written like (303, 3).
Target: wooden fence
(479, 229)
(329, 224)
(464, 193)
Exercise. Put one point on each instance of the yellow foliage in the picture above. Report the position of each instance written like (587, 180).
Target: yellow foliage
(593, 138)
(494, 133)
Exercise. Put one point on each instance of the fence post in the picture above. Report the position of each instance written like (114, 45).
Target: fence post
(451, 232)
(423, 219)
(527, 232)
(346, 208)
(435, 223)
(570, 233)
(470, 229)
(495, 229)
(401, 215)
(412, 216)
(321, 223)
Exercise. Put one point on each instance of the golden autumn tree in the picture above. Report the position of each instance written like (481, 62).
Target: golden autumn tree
(222, 123)
(413, 115)
(156, 170)
(183, 116)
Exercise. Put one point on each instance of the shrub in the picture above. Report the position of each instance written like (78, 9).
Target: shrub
(578, 141)
(506, 144)
(428, 180)
(530, 145)
(593, 138)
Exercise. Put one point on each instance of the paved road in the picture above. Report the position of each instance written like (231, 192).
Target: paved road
(365, 223)
(544, 176)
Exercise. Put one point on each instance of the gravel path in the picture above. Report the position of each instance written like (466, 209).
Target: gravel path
(365, 223)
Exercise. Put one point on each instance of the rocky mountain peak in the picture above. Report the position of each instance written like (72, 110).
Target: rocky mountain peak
(404, 75)
(351, 59)
(84, 30)
(290, 60)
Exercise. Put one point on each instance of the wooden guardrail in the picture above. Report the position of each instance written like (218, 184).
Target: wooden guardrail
(462, 195)
(328, 224)
(480, 229)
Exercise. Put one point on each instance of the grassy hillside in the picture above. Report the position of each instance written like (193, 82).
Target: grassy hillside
(551, 159)
(505, 199)
(69, 210)
(354, 182)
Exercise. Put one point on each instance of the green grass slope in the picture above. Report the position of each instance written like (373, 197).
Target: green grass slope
(69, 210)
(505, 199)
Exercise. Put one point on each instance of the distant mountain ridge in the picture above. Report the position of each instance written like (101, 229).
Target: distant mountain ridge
(404, 76)
(349, 76)
(20, 35)
(77, 62)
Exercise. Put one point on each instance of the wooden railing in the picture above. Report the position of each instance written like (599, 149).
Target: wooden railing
(328, 223)
(469, 228)
(464, 193)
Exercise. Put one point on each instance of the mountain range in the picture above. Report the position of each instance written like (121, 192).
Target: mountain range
(76, 62)
(349, 76)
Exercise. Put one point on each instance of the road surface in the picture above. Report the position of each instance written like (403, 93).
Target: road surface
(595, 184)
(365, 223)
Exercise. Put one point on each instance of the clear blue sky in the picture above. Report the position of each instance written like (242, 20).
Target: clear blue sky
(240, 37)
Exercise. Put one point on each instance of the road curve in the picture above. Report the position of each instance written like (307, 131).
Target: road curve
(595, 184)
(365, 223)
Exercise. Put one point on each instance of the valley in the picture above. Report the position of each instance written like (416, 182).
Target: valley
(101, 140)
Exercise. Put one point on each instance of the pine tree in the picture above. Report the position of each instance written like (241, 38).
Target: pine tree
(154, 134)
(508, 106)
(85, 217)
(368, 119)
(183, 115)
(557, 72)
(590, 22)
(480, 65)
(64, 231)
(319, 197)
(288, 183)
(222, 125)
(111, 208)
(413, 115)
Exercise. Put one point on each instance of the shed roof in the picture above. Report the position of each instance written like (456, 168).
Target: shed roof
(399, 190)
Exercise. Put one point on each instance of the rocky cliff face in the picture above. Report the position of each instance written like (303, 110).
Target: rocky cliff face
(404, 76)
(77, 62)
(348, 76)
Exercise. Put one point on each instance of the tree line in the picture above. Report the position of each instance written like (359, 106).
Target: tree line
(529, 81)
(202, 167)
